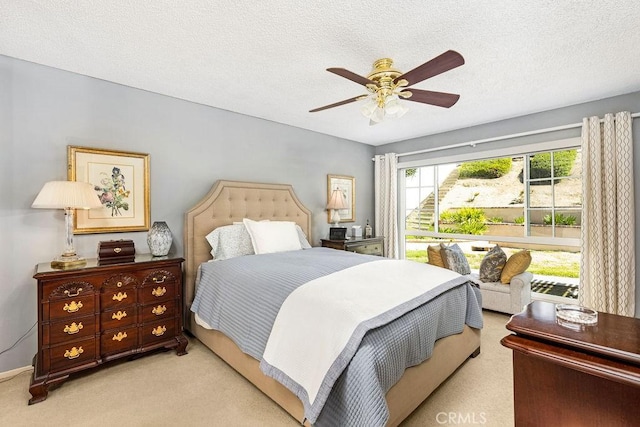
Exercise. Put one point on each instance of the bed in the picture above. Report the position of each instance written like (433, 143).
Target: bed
(230, 202)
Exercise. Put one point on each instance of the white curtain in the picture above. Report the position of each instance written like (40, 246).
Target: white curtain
(386, 202)
(607, 268)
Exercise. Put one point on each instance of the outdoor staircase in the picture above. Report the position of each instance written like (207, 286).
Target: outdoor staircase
(422, 216)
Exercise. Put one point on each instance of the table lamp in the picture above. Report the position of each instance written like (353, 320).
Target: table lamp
(67, 195)
(336, 202)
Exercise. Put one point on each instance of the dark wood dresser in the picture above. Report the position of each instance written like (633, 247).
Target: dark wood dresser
(368, 246)
(95, 314)
(574, 376)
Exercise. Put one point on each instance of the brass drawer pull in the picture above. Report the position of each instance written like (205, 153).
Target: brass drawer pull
(159, 331)
(159, 291)
(119, 337)
(156, 280)
(73, 307)
(119, 284)
(74, 294)
(74, 353)
(119, 296)
(73, 329)
(117, 250)
(119, 315)
(159, 310)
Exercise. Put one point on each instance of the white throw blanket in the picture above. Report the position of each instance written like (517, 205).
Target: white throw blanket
(318, 319)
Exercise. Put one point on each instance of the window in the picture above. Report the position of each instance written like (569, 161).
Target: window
(525, 200)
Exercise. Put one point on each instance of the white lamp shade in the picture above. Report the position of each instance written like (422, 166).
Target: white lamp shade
(337, 200)
(67, 194)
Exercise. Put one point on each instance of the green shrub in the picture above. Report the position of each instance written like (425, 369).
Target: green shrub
(518, 220)
(540, 165)
(560, 219)
(493, 168)
(410, 172)
(466, 220)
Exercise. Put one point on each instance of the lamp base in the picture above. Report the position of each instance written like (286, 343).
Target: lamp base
(64, 262)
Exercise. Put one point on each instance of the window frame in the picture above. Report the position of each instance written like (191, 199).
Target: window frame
(525, 151)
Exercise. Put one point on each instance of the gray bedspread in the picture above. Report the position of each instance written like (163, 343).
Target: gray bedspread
(241, 298)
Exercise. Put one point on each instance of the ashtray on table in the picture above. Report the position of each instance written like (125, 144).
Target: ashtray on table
(575, 314)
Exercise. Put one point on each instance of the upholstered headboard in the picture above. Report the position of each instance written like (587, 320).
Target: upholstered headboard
(229, 202)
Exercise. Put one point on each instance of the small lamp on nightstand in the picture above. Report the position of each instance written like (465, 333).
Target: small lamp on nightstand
(336, 202)
(67, 195)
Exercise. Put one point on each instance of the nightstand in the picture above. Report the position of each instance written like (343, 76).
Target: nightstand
(370, 246)
(592, 371)
(91, 315)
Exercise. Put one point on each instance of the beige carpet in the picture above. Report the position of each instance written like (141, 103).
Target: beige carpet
(199, 389)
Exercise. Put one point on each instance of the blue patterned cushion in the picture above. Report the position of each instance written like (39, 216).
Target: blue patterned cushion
(454, 259)
(230, 241)
(492, 265)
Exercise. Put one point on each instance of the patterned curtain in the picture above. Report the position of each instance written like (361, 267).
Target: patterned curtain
(386, 202)
(607, 268)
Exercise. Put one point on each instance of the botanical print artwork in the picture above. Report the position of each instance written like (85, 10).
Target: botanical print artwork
(112, 191)
(120, 180)
(113, 183)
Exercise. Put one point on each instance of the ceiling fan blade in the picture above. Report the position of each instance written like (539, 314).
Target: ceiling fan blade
(337, 104)
(351, 76)
(438, 65)
(441, 99)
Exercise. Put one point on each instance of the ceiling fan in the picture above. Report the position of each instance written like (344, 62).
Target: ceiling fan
(387, 86)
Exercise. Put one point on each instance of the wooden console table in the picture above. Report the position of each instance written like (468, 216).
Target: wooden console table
(585, 376)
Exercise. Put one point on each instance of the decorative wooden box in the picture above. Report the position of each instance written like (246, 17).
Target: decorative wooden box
(116, 251)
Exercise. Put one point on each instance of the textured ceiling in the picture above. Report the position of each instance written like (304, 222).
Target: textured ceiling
(268, 58)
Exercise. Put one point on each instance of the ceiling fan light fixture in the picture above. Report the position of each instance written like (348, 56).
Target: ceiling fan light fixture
(378, 115)
(369, 107)
(387, 86)
(401, 111)
(391, 105)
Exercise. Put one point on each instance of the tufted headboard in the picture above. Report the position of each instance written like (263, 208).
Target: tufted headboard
(229, 202)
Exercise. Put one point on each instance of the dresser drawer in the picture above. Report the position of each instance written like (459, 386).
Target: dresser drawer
(71, 308)
(72, 354)
(158, 331)
(368, 249)
(118, 318)
(70, 330)
(118, 340)
(158, 293)
(118, 291)
(153, 312)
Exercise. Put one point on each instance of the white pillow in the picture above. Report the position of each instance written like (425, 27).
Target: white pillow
(273, 236)
(230, 241)
(304, 243)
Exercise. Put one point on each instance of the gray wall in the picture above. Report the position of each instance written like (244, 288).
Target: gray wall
(544, 120)
(42, 110)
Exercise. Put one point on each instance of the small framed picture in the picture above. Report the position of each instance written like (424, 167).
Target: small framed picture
(337, 233)
(121, 181)
(347, 184)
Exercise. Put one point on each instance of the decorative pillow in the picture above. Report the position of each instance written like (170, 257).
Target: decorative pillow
(516, 264)
(304, 243)
(434, 256)
(492, 265)
(273, 236)
(230, 241)
(454, 259)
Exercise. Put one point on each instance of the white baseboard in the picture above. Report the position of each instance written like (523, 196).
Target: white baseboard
(12, 373)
